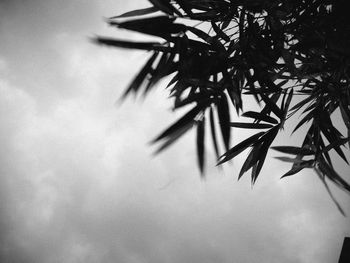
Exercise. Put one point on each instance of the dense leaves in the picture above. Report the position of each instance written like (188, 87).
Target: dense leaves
(291, 56)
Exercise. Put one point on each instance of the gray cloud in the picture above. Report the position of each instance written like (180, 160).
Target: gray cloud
(79, 183)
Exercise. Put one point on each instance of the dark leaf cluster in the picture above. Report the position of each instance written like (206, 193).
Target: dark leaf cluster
(291, 56)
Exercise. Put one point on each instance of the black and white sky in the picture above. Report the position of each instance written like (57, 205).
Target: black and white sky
(79, 183)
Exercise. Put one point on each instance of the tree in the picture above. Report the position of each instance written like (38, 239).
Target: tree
(292, 56)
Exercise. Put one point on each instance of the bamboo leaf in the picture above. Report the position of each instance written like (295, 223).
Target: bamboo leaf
(132, 45)
(175, 136)
(289, 99)
(272, 106)
(297, 167)
(200, 144)
(161, 26)
(219, 32)
(213, 132)
(325, 153)
(304, 120)
(207, 38)
(290, 160)
(163, 69)
(251, 160)
(185, 6)
(322, 177)
(140, 77)
(188, 118)
(138, 12)
(345, 113)
(165, 6)
(245, 125)
(234, 151)
(333, 135)
(302, 103)
(224, 118)
(205, 16)
(293, 150)
(260, 117)
(332, 175)
(335, 144)
(267, 139)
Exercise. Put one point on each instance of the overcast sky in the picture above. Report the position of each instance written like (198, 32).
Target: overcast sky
(78, 182)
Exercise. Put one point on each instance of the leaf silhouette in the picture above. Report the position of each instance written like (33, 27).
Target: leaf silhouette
(293, 150)
(224, 118)
(165, 6)
(331, 174)
(333, 135)
(138, 12)
(290, 160)
(322, 177)
(289, 99)
(260, 117)
(213, 132)
(141, 76)
(161, 26)
(175, 136)
(219, 32)
(234, 151)
(272, 106)
(245, 125)
(267, 139)
(251, 160)
(200, 144)
(217, 53)
(165, 67)
(304, 120)
(335, 144)
(188, 118)
(133, 45)
(297, 168)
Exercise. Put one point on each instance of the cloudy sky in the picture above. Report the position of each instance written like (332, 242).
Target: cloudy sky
(78, 182)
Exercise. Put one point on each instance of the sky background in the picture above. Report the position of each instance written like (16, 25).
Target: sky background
(79, 183)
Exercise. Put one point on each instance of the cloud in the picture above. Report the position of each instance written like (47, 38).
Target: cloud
(76, 187)
(79, 183)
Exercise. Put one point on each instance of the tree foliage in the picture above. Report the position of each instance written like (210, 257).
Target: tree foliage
(292, 56)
